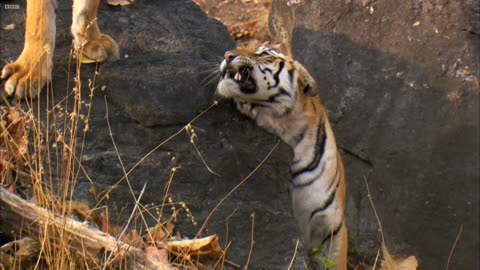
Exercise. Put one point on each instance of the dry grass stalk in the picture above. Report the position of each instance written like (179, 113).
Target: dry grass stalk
(52, 159)
(91, 243)
(390, 262)
(86, 241)
(13, 144)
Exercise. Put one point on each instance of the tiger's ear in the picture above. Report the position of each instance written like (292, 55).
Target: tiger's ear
(306, 83)
(309, 91)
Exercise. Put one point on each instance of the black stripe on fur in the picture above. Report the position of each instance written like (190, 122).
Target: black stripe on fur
(276, 74)
(325, 205)
(332, 235)
(319, 149)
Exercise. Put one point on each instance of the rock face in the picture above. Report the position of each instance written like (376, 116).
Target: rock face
(399, 80)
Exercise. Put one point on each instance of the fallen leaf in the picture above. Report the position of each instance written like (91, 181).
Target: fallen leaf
(23, 248)
(195, 247)
(83, 212)
(390, 262)
(170, 226)
(160, 232)
(81, 209)
(156, 258)
(132, 238)
(86, 60)
(13, 142)
(157, 233)
(113, 229)
(9, 27)
(120, 2)
(105, 225)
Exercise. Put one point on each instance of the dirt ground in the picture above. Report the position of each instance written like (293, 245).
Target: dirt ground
(244, 19)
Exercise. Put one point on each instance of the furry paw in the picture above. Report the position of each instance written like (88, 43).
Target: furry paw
(246, 108)
(99, 50)
(27, 76)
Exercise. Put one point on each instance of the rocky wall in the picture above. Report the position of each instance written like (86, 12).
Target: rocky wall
(400, 83)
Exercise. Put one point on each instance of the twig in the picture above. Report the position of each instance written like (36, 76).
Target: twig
(454, 246)
(232, 264)
(235, 189)
(158, 146)
(121, 162)
(221, 259)
(226, 225)
(376, 259)
(330, 248)
(374, 210)
(252, 241)
(294, 255)
(122, 165)
(167, 189)
(24, 216)
(137, 202)
(191, 133)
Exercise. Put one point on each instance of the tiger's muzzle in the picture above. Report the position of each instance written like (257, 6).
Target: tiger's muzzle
(239, 69)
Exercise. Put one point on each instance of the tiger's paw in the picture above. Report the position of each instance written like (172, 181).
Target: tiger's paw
(28, 74)
(246, 108)
(99, 50)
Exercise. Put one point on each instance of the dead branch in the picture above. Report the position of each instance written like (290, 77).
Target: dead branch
(24, 216)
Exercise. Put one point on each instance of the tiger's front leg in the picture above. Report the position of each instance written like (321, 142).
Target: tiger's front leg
(332, 254)
(30, 72)
(88, 41)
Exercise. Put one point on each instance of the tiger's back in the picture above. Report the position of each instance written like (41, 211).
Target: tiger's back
(281, 96)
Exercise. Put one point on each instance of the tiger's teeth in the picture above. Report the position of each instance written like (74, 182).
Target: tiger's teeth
(237, 77)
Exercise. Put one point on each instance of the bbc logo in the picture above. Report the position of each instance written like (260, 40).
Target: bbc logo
(11, 6)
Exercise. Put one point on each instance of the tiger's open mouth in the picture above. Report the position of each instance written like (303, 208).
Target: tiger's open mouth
(242, 76)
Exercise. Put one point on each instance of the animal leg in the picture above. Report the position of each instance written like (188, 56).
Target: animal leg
(29, 73)
(88, 40)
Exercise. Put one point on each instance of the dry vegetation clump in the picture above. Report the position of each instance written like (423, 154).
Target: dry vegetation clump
(13, 145)
(41, 224)
(388, 261)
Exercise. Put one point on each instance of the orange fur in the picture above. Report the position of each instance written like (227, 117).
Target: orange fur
(32, 70)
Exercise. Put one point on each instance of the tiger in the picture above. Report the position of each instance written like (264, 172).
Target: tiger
(30, 72)
(280, 95)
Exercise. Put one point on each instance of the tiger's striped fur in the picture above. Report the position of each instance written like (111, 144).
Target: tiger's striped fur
(281, 96)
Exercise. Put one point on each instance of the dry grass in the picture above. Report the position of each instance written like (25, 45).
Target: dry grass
(46, 168)
(42, 145)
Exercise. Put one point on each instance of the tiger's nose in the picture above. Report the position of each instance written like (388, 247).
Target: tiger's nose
(229, 56)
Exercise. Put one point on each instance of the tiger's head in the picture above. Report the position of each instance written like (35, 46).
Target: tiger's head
(265, 79)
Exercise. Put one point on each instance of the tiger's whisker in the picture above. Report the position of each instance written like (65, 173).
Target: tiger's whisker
(210, 78)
